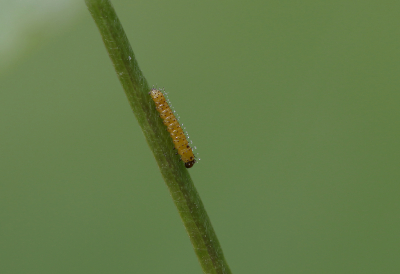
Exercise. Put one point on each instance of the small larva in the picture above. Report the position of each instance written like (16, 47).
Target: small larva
(173, 127)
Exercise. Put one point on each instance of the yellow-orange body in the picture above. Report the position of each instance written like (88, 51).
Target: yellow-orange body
(173, 127)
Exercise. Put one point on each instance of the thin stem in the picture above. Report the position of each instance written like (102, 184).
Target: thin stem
(176, 176)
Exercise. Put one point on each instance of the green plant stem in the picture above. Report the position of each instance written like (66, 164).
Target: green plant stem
(176, 176)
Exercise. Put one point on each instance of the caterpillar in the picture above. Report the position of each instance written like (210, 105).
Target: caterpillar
(178, 136)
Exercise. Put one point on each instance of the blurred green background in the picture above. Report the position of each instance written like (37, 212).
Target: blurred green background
(294, 108)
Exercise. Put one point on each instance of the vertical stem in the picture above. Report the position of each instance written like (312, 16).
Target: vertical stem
(176, 176)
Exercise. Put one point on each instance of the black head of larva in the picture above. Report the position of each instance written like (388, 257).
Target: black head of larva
(190, 164)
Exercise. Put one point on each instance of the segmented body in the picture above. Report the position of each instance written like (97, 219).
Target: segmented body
(173, 127)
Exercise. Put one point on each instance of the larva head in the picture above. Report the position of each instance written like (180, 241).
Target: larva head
(190, 164)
